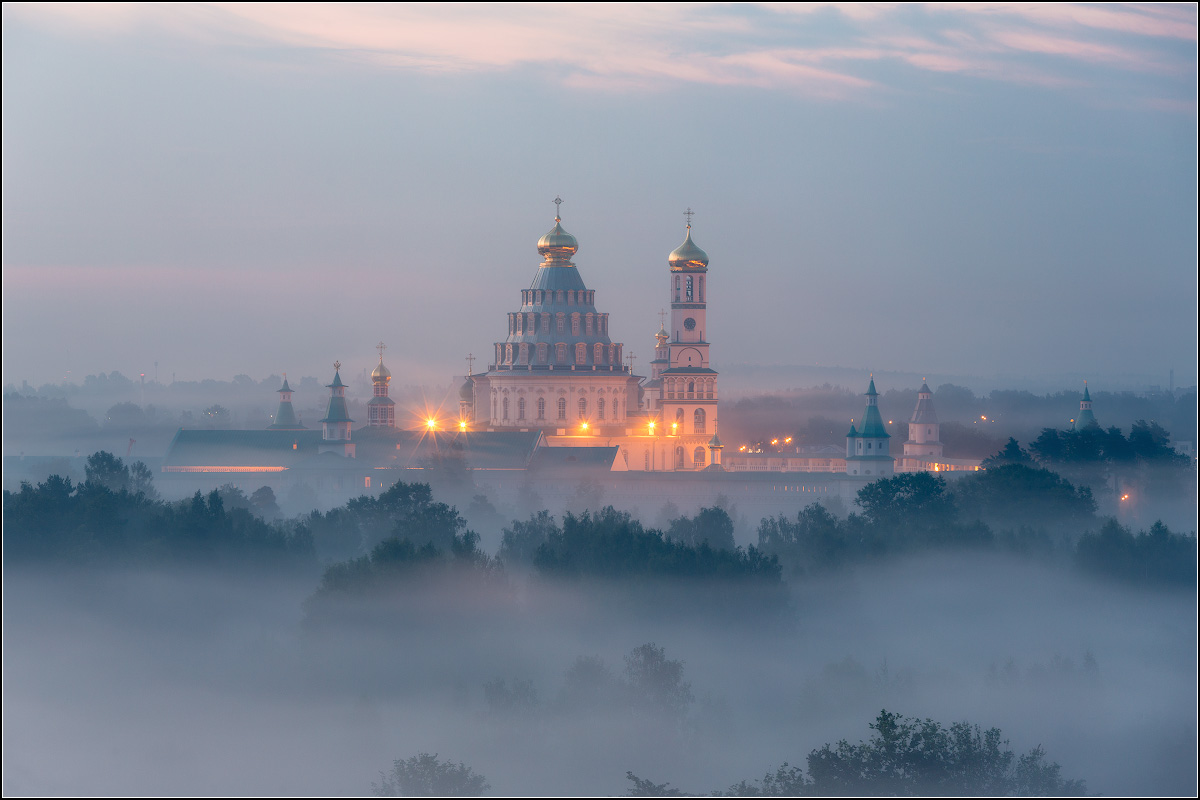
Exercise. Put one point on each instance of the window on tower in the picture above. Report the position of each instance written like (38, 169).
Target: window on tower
(562, 408)
(698, 421)
(541, 406)
(600, 408)
(689, 288)
(520, 408)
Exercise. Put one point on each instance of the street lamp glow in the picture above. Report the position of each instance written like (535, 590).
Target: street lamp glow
(431, 423)
(462, 425)
(584, 426)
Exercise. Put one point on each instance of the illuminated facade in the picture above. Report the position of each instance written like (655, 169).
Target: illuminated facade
(559, 372)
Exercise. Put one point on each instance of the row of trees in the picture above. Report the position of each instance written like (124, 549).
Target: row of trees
(1011, 507)
(905, 757)
(115, 515)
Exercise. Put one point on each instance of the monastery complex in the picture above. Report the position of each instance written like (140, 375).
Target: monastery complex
(560, 398)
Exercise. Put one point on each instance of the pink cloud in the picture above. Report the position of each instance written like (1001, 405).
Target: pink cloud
(653, 46)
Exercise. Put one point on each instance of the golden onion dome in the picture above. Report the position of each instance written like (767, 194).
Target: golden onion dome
(662, 334)
(558, 245)
(688, 255)
(381, 373)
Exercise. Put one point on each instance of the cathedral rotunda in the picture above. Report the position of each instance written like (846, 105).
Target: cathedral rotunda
(556, 370)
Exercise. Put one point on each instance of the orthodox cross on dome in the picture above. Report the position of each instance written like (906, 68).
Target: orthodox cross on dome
(337, 366)
(381, 347)
(557, 204)
(470, 363)
(662, 317)
(689, 214)
(630, 359)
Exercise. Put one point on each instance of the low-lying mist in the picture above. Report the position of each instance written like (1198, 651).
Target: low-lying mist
(152, 681)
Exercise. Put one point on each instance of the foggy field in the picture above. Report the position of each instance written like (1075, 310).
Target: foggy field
(193, 683)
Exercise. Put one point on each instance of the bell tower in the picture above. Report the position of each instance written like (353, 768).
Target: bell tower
(689, 390)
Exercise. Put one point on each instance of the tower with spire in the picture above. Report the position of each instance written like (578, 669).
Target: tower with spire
(1086, 418)
(924, 432)
(687, 404)
(867, 448)
(381, 409)
(335, 427)
(285, 415)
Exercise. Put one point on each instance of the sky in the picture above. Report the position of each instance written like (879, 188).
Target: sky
(979, 190)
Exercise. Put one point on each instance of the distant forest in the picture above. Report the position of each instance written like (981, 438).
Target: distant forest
(371, 543)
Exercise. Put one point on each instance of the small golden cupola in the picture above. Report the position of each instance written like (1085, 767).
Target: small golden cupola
(557, 246)
(688, 256)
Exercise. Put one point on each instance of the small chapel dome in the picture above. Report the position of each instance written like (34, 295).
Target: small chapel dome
(662, 334)
(380, 373)
(688, 255)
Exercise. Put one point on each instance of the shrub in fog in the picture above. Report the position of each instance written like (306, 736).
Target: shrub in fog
(424, 775)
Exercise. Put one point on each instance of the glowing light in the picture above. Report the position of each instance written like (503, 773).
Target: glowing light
(462, 425)
(431, 423)
(982, 417)
(674, 425)
(788, 440)
(774, 441)
(584, 426)
(1124, 497)
(742, 448)
(650, 425)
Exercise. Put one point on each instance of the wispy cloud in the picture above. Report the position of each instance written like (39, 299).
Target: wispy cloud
(818, 49)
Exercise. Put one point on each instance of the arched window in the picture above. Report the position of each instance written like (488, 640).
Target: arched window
(505, 406)
(698, 421)
(582, 407)
(561, 321)
(689, 288)
(520, 408)
(679, 417)
(562, 408)
(508, 354)
(574, 324)
(542, 351)
(541, 408)
(678, 458)
(600, 408)
(691, 388)
(524, 353)
(698, 457)
(598, 353)
(616, 409)
(560, 353)
(581, 353)
(676, 288)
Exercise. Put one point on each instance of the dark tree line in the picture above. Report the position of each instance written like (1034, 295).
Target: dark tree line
(1009, 507)
(115, 515)
(905, 757)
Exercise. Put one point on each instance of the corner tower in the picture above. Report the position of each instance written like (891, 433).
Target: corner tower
(335, 427)
(689, 383)
(924, 432)
(1086, 418)
(867, 449)
(285, 415)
